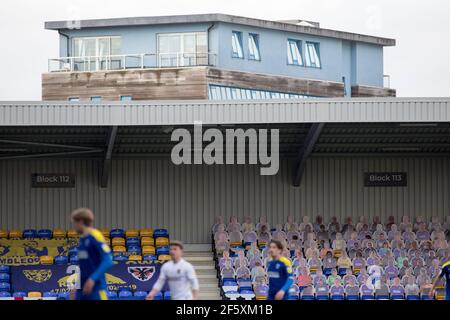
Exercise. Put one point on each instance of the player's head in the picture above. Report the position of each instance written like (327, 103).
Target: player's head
(275, 249)
(82, 219)
(176, 250)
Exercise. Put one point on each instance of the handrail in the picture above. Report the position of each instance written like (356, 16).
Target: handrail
(130, 61)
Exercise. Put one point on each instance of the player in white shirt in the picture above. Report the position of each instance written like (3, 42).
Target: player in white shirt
(179, 274)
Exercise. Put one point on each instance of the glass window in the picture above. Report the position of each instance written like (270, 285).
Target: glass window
(253, 47)
(312, 55)
(126, 98)
(182, 49)
(96, 98)
(74, 99)
(294, 55)
(236, 42)
(93, 53)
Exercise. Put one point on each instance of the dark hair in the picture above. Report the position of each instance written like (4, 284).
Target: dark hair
(176, 243)
(278, 244)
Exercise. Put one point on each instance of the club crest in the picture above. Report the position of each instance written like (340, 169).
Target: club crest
(142, 273)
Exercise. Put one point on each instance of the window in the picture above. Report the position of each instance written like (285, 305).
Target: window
(74, 99)
(294, 55)
(236, 42)
(96, 98)
(182, 49)
(126, 98)
(219, 92)
(253, 47)
(312, 55)
(99, 50)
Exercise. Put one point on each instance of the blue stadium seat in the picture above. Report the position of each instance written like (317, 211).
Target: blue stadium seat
(61, 260)
(382, 297)
(140, 295)
(29, 234)
(19, 294)
(74, 259)
(45, 234)
(73, 251)
(49, 294)
(133, 242)
(398, 297)
(426, 297)
(342, 271)
(160, 233)
(367, 297)
(293, 297)
(4, 277)
(307, 297)
(327, 271)
(125, 295)
(322, 297)
(158, 296)
(112, 295)
(167, 295)
(337, 297)
(413, 297)
(117, 233)
(5, 294)
(352, 297)
(5, 286)
(149, 257)
(5, 269)
(134, 250)
(162, 250)
(120, 257)
(64, 296)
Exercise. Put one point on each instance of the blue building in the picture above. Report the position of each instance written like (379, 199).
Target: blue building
(211, 56)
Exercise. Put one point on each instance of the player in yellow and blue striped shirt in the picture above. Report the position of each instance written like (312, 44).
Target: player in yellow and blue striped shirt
(94, 257)
(279, 271)
(445, 272)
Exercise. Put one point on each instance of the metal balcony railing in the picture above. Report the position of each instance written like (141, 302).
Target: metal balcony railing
(131, 61)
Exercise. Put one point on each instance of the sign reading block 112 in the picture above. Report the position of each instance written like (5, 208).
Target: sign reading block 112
(52, 180)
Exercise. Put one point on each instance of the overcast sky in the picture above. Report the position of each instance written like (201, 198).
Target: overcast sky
(419, 65)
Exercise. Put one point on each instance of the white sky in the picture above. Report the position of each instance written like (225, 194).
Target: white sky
(419, 65)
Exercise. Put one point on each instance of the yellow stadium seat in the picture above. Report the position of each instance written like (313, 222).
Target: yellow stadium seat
(105, 232)
(46, 259)
(148, 250)
(34, 294)
(260, 297)
(164, 257)
(147, 241)
(3, 234)
(117, 249)
(131, 233)
(161, 242)
(72, 234)
(118, 242)
(59, 233)
(337, 253)
(146, 233)
(135, 257)
(262, 244)
(312, 270)
(15, 234)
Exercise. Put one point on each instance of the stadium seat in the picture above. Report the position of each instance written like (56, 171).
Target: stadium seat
(5, 269)
(15, 234)
(134, 250)
(147, 241)
(47, 260)
(352, 297)
(5, 277)
(412, 297)
(160, 242)
(61, 260)
(119, 249)
(133, 241)
(118, 242)
(59, 233)
(232, 295)
(230, 285)
(426, 297)
(45, 234)
(163, 257)
(117, 233)
(64, 296)
(112, 295)
(382, 297)
(73, 259)
(120, 257)
(134, 257)
(158, 296)
(307, 297)
(397, 297)
(73, 251)
(29, 234)
(125, 295)
(160, 233)
(49, 294)
(167, 295)
(322, 297)
(132, 233)
(140, 295)
(34, 294)
(5, 294)
(72, 234)
(149, 257)
(146, 233)
(148, 250)
(247, 294)
(162, 250)
(338, 297)
(105, 232)
(367, 297)
(3, 234)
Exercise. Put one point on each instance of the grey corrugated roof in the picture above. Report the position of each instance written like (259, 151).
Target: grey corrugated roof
(154, 113)
(218, 17)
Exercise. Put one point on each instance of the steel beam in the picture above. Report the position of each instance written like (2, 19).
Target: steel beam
(106, 167)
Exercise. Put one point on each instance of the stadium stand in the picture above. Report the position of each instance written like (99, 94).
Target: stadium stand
(366, 260)
(127, 245)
